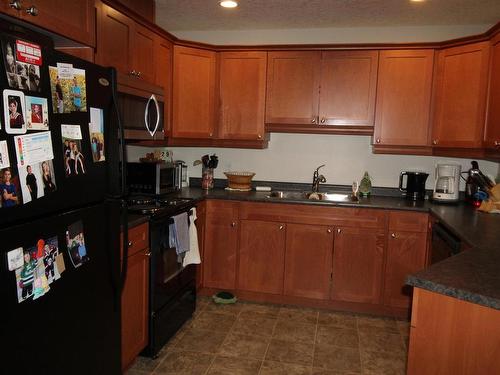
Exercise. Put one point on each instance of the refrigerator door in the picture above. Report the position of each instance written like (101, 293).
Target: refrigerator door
(74, 328)
(82, 169)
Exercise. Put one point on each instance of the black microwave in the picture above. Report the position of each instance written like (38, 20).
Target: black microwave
(151, 178)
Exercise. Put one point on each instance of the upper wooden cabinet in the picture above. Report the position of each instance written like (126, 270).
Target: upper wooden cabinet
(292, 87)
(404, 98)
(72, 19)
(242, 94)
(460, 96)
(163, 76)
(348, 87)
(125, 45)
(321, 91)
(492, 131)
(193, 93)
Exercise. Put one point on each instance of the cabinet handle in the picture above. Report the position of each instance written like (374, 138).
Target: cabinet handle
(138, 75)
(377, 140)
(148, 254)
(328, 230)
(313, 121)
(130, 243)
(393, 235)
(233, 224)
(497, 143)
(132, 73)
(211, 135)
(281, 227)
(259, 136)
(16, 5)
(323, 120)
(339, 230)
(32, 11)
(435, 142)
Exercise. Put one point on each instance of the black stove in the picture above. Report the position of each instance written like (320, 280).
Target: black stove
(157, 205)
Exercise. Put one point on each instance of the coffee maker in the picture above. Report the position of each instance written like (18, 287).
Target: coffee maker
(446, 187)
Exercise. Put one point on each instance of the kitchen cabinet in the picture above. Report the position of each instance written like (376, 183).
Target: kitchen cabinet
(126, 45)
(308, 261)
(261, 256)
(451, 336)
(135, 296)
(144, 8)
(492, 131)
(348, 87)
(163, 77)
(460, 96)
(358, 259)
(72, 19)
(316, 91)
(193, 93)
(242, 94)
(220, 245)
(404, 99)
(293, 87)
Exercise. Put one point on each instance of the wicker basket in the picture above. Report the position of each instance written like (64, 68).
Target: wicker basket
(240, 180)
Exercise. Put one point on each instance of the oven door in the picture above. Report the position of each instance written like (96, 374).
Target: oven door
(168, 277)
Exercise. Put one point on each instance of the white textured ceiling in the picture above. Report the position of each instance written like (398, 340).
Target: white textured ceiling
(179, 15)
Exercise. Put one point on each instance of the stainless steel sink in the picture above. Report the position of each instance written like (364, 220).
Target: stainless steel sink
(303, 195)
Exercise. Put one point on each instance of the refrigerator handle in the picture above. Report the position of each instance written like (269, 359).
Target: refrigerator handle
(124, 260)
(121, 135)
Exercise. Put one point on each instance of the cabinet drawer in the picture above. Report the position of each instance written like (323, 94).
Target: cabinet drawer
(408, 221)
(138, 238)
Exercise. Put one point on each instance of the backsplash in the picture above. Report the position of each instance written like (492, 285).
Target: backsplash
(293, 158)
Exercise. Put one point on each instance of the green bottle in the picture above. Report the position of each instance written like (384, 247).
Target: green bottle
(365, 186)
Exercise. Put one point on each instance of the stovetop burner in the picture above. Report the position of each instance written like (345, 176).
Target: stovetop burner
(156, 205)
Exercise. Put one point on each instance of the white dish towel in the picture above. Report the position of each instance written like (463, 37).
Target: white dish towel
(193, 255)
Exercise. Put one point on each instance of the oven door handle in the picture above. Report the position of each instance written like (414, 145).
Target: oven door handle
(146, 115)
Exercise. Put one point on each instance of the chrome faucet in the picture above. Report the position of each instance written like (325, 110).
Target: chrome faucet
(318, 179)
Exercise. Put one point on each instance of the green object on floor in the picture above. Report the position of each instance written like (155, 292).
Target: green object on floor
(224, 298)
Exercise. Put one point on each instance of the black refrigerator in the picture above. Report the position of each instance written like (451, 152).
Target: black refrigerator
(61, 152)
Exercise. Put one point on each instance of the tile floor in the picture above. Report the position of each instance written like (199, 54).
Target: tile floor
(248, 338)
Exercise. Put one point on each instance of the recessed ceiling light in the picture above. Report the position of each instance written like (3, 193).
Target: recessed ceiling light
(228, 4)
(417, 1)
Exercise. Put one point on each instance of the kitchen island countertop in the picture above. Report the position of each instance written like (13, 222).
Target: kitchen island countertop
(472, 275)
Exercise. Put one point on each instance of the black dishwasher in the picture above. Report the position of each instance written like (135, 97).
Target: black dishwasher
(444, 243)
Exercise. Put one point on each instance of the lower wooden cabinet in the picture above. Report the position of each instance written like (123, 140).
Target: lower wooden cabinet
(358, 260)
(221, 245)
(262, 256)
(308, 261)
(135, 297)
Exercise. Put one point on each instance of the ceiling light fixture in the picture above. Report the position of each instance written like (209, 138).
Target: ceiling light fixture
(417, 1)
(228, 4)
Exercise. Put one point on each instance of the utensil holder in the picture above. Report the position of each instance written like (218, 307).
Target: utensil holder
(207, 178)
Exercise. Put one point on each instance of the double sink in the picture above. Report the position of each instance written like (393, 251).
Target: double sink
(312, 196)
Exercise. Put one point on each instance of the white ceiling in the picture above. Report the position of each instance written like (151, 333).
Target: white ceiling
(180, 15)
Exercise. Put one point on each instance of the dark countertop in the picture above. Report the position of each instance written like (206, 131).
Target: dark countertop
(472, 275)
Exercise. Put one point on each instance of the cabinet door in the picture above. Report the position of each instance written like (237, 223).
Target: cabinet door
(406, 254)
(143, 57)
(163, 77)
(261, 256)
(492, 132)
(461, 87)
(404, 98)
(358, 265)
(73, 19)
(242, 94)
(114, 32)
(135, 307)
(348, 87)
(193, 93)
(308, 260)
(292, 87)
(220, 245)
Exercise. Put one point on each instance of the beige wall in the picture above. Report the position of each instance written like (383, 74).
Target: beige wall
(334, 35)
(292, 157)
